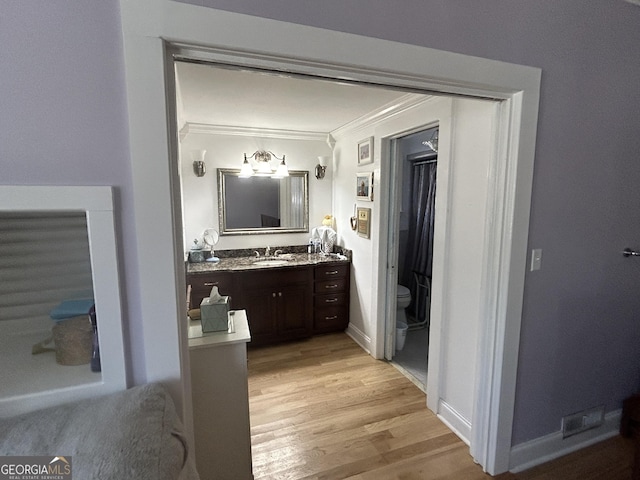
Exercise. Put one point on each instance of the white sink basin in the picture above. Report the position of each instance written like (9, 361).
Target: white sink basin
(270, 263)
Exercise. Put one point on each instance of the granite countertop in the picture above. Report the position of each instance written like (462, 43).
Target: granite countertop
(249, 263)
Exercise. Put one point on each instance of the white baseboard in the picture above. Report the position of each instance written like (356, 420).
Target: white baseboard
(549, 447)
(456, 422)
(359, 337)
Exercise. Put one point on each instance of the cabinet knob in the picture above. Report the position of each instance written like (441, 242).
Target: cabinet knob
(274, 294)
(279, 294)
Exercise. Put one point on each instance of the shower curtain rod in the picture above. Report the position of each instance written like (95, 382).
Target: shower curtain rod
(424, 162)
(422, 158)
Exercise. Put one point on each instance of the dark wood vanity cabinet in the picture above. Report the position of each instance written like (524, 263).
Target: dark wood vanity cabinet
(278, 303)
(331, 298)
(282, 303)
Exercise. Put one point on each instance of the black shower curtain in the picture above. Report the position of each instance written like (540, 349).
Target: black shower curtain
(419, 257)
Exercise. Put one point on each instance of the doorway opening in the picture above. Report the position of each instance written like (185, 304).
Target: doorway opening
(213, 33)
(378, 245)
(413, 224)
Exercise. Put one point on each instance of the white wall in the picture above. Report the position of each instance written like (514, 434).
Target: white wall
(199, 194)
(366, 299)
(462, 282)
(466, 135)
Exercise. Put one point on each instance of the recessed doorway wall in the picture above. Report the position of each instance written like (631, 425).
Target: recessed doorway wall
(333, 54)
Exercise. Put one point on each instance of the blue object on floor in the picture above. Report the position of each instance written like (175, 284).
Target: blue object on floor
(72, 308)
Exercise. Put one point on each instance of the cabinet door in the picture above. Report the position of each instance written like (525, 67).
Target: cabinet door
(294, 311)
(261, 306)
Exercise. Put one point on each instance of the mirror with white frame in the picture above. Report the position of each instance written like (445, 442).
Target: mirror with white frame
(59, 244)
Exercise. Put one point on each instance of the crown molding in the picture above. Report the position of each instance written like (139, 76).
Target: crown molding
(384, 112)
(208, 129)
(397, 107)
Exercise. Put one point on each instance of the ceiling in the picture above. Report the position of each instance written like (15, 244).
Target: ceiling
(231, 97)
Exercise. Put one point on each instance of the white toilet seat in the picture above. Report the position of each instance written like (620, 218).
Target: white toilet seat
(403, 291)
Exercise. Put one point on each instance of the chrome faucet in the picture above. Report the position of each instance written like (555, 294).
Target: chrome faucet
(267, 251)
(277, 252)
(257, 253)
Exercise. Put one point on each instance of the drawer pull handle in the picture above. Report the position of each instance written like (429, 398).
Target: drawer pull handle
(331, 300)
(332, 272)
(210, 284)
(331, 286)
(331, 318)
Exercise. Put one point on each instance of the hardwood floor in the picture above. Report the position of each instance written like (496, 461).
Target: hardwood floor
(324, 409)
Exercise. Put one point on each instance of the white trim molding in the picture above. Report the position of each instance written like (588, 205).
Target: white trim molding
(455, 421)
(155, 29)
(383, 113)
(359, 337)
(208, 129)
(544, 449)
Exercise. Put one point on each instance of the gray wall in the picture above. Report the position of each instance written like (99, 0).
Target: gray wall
(63, 121)
(580, 342)
(63, 117)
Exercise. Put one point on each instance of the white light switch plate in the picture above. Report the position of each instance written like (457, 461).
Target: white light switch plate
(536, 259)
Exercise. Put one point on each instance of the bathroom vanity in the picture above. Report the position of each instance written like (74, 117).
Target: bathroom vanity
(306, 294)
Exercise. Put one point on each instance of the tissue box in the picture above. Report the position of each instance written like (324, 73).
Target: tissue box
(213, 315)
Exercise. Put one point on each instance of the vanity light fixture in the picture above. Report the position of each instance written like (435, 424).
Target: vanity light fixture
(321, 167)
(432, 143)
(263, 166)
(199, 167)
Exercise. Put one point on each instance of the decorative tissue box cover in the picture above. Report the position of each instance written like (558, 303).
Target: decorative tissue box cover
(214, 316)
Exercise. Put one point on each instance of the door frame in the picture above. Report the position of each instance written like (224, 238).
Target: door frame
(486, 320)
(391, 211)
(150, 27)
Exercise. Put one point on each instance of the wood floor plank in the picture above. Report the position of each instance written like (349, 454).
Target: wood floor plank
(325, 409)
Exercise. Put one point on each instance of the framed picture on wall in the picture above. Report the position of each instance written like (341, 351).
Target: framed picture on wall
(364, 222)
(365, 151)
(364, 186)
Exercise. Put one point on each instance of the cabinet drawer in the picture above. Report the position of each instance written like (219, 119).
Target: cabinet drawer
(274, 277)
(202, 284)
(330, 319)
(327, 272)
(337, 285)
(338, 299)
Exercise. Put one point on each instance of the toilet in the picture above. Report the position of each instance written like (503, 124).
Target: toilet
(403, 300)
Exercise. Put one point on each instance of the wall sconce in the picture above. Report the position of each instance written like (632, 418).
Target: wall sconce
(321, 167)
(263, 168)
(199, 167)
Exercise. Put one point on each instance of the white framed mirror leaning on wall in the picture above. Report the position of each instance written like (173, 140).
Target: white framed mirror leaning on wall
(59, 244)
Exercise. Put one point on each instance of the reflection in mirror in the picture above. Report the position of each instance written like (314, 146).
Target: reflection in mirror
(262, 204)
(58, 252)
